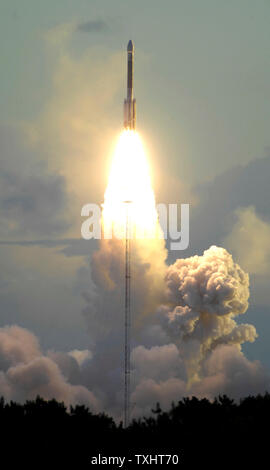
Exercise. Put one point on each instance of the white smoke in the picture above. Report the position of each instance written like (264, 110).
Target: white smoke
(206, 293)
(184, 321)
(185, 336)
(26, 372)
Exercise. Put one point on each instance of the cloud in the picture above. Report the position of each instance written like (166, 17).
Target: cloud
(225, 371)
(206, 293)
(17, 346)
(94, 26)
(216, 215)
(198, 353)
(228, 371)
(239, 187)
(157, 362)
(67, 364)
(26, 372)
(41, 289)
(249, 241)
(33, 200)
(210, 283)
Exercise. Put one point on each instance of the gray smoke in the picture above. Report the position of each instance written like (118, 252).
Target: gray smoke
(26, 372)
(186, 339)
(188, 324)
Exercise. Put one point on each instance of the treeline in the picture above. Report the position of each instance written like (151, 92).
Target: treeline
(46, 434)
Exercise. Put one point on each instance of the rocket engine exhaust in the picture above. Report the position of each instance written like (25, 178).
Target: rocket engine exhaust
(130, 102)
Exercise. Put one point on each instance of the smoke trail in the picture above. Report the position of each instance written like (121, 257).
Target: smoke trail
(186, 338)
(184, 316)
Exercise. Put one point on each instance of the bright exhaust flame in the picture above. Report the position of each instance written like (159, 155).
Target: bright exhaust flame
(129, 191)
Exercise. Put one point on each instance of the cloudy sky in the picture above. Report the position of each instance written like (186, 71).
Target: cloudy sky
(202, 75)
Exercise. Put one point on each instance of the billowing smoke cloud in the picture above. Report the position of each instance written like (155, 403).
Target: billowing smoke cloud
(228, 371)
(206, 293)
(26, 372)
(185, 337)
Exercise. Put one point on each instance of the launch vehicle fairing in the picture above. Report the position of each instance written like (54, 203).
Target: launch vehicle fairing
(130, 102)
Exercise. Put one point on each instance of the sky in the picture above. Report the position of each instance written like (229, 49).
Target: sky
(202, 74)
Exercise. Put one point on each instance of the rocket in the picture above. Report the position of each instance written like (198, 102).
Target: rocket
(130, 102)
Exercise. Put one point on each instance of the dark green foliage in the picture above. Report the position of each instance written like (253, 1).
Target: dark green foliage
(46, 434)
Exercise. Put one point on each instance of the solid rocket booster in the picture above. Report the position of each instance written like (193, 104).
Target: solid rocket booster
(130, 102)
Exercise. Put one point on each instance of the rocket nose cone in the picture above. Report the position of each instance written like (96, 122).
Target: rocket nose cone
(130, 46)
